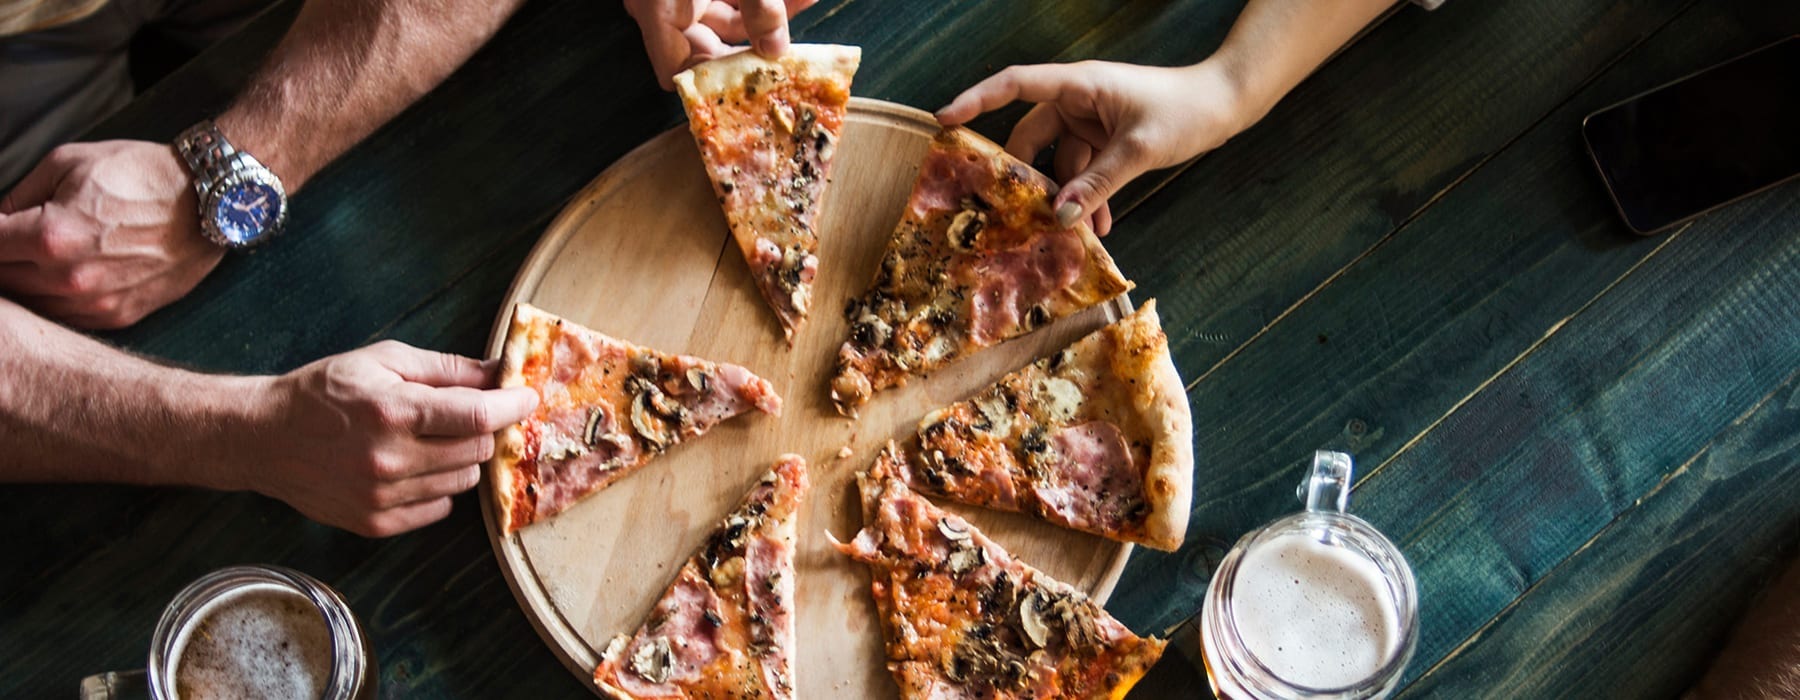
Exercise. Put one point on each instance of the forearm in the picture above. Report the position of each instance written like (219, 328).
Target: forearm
(1274, 44)
(345, 68)
(75, 409)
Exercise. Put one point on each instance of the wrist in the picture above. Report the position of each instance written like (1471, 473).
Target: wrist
(229, 420)
(1243, 93)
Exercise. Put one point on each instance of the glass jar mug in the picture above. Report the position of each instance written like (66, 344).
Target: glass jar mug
(1315, 605)
(250, 631)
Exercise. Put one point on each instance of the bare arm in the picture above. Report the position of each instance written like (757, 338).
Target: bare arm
(1112, 122)
(345, 68)
(99, 235)
(374, 441)
(74, 409)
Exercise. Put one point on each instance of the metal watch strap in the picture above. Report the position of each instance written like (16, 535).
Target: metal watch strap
(209, 156)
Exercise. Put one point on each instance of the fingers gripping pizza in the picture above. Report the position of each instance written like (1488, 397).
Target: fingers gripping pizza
(977, 258)
(606, 408)
(724, 630)
(1096, 438)
(963, 619)
(767, 130)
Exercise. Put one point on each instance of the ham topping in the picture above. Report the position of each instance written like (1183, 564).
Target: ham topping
(1091, 481)
(1012, 283)
(677, 643)
(771, 623)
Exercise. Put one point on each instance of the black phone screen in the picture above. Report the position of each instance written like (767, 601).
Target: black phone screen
(1685, 148)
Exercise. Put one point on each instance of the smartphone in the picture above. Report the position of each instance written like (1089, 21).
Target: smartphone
(1703, 141)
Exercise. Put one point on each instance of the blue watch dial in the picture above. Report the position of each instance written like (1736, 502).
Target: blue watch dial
(246, 210)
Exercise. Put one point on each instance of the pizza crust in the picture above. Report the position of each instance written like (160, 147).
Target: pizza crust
(1162, 402)
(527, 335)
(721, 74)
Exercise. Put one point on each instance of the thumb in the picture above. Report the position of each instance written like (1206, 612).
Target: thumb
(1119, 163)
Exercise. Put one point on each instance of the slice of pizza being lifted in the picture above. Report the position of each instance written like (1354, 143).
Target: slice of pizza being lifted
(1096, 437)
(725, 626)
(963, 619)
(978, 258)
(606, 407)
(767, 130)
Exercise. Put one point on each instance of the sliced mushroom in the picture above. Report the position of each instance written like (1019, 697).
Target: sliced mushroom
(966, 559)
(997, 419)
(954, 531)
(595, 426)
(651, 427)
(667, 407)
(783, 116)
(654, 661)
(644, 364)
(964, 233)
(1032, 623)
(699, 379)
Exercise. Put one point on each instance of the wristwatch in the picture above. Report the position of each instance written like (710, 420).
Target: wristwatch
(242, 203)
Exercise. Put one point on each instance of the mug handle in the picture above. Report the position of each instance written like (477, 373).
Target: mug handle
(1327, 487)
(116, 685)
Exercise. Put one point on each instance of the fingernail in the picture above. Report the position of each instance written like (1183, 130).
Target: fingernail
(1068, 214)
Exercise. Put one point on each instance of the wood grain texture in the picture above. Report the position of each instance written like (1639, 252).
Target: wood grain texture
(644, 254)
(1521, 506)
(1399, 338)
(1640, 609)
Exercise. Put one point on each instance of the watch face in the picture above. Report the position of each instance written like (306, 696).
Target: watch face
(246, 210)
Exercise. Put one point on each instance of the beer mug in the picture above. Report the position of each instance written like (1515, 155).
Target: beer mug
(250, 631)
(1315, 605)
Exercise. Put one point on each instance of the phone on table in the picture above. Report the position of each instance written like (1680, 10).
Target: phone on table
(1703, 141)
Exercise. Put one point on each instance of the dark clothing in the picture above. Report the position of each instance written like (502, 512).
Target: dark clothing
(57, 83)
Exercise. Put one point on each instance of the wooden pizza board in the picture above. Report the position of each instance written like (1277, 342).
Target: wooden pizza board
(643, 254)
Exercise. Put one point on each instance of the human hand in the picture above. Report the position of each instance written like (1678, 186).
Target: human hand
(1111, 122)
(376, 440)
(681, 33)
(99, 235)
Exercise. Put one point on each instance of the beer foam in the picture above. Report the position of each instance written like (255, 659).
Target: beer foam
(262, 641)
(1315, 614)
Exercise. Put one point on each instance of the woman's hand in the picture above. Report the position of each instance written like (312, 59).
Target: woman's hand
(1111, 122)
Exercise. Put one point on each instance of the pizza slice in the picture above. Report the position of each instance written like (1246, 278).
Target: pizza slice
(606, 407)
(725, 626)
(767, 130)
(1096, 437)
(977, 258)
(963, 619)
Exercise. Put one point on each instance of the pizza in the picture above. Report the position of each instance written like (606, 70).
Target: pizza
(1096, 437)
(767, 130)
(977, 258)
(606, 407)
(963, 619)
(725, 626)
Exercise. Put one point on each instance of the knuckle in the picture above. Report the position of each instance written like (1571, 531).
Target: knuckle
(484, 448)
(386, 466)
(478, 414)
(391, 415)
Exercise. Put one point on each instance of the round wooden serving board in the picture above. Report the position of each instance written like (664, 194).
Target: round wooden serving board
(643, 254)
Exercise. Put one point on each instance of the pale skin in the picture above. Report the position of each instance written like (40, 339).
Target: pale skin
(1112, 122)
(98, 235)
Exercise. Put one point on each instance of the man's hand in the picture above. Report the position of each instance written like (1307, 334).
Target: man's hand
(681, 33)
(99, 235)
(376, 440)
(1111, 122)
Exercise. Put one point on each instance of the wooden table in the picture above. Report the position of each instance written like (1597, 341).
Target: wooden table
(1586, 442)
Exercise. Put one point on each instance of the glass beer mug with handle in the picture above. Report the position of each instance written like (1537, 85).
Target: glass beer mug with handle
(250, 631)
(1315, 605)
